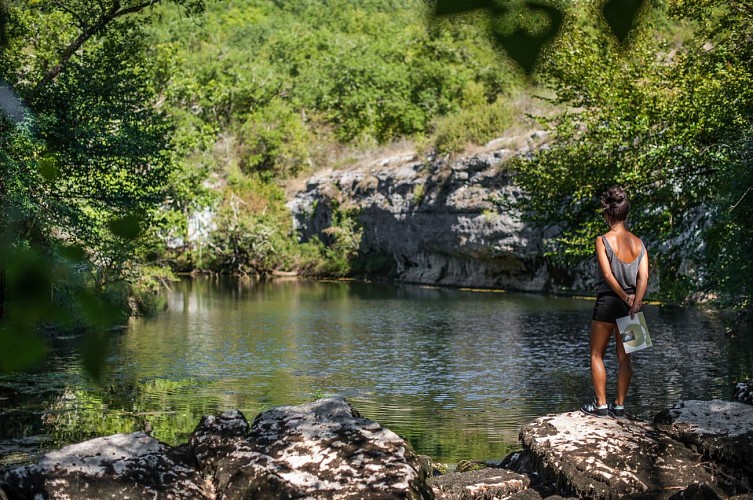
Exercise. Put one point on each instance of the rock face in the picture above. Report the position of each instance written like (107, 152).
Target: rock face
(323, 449)
(438, 222)
(722, 431)
(613, 458)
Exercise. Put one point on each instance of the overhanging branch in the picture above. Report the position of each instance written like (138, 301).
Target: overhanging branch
(107, 17)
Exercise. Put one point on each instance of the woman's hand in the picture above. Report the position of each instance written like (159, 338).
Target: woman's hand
(635, 306)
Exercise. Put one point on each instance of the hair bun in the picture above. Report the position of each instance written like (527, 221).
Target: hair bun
(614, 201)
(618, 197)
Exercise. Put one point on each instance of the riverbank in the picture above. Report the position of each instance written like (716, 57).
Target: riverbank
(327, 449)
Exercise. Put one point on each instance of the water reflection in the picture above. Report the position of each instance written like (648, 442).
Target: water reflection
(454, 372)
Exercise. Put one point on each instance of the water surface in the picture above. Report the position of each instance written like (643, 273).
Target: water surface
(456, 372)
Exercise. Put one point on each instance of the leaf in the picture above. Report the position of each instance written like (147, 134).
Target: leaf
(73, 253)
(128, 227)
(98, 313)
(19, 350)
(48, 168)
(447, 7)
(524, 47)
(621, 16)
(94, 353)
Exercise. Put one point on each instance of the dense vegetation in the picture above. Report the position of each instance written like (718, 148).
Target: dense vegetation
(85, 161)
(669, 116)
(262, 91)
(123, 120)
(663, 108)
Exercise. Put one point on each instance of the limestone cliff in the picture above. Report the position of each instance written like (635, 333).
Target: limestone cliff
(438, 220)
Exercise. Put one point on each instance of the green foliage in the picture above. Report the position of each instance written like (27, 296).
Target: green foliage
(671, 122)
(343, 241)
(370, 71)
(147, 293)
(261, 91)
(253, 233)
(524, 29)
(85, 169)
(476, 123)
(275, 141)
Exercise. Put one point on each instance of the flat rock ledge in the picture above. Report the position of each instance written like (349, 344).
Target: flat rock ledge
(487, 483)
(721, 431)
(594, 457)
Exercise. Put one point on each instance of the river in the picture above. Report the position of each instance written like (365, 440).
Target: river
(455, 372)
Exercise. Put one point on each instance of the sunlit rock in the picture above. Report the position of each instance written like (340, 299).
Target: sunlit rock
(323, 449)
(120, 466)
(722, 431)
(612, 458)
(488, 483)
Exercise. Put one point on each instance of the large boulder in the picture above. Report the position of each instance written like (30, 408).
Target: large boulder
(323, 449)
(120, 466)
(721, 431)
(613, 458)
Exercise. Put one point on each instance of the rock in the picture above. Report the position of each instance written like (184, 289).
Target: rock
(119, 466)
(487, 483)
(722, 431)
(437, 222)
(323, 449)
(744, 392)
(431, 468)
(221, 447)
(612, 458)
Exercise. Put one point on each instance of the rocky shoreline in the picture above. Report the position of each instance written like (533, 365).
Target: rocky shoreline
(326, 449)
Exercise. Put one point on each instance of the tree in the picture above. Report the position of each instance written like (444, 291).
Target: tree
(671, 121)
(86, 170)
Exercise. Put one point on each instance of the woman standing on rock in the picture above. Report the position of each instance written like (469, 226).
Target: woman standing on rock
(622, 280)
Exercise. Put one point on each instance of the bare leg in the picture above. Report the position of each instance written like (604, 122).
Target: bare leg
(600, 334)
(625, 372)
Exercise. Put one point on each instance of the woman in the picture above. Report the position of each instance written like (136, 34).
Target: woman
(622, 280)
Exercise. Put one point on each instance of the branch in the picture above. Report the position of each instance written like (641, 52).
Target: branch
(741, 199)
(114, 13)
(81, 22)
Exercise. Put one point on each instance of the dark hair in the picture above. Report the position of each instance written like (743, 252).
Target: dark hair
(615, 203)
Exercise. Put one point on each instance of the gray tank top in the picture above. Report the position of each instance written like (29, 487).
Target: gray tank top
(626, 273)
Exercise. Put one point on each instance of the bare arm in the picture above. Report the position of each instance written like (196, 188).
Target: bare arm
(606, 270)
(641, 285)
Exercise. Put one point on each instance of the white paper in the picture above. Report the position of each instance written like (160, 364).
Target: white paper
(634, 332)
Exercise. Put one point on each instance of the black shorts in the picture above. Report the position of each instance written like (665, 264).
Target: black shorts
(609, 306)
